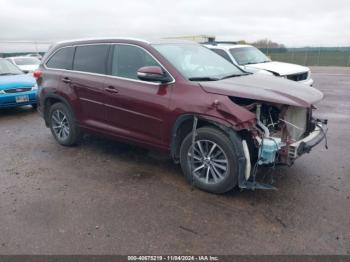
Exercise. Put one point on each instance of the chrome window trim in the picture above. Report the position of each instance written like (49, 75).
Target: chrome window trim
(105, 75)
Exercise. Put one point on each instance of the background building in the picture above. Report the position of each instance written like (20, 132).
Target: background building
(196, 38)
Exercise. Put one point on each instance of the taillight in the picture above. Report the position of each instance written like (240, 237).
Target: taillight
(37, 74)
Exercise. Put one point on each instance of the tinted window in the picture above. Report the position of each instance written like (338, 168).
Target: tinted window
(127, 59)
(91, 58)
(62, 59)
(222, 53)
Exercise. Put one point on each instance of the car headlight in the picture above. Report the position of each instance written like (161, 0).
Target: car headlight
(35, 87)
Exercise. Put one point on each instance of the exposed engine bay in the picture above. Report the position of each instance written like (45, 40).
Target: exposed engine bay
(287, 122)
(277, 127)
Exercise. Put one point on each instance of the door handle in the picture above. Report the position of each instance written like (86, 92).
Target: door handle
(66, 80)
(111, 89)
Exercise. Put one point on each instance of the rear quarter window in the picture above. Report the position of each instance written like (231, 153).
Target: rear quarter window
(62, 59)
(91, 58)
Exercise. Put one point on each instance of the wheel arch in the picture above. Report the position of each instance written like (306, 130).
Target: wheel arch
(50, 100)
(184, 124)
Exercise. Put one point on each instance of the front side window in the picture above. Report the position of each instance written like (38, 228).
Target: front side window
(7, 68)
(62, 59)
(248, 55)
(128, 59)
(91, 58)
(196, 62)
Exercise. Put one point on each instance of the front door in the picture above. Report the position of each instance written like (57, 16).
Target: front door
(136, 108)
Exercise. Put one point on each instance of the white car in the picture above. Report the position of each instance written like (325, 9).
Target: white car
(36, 55)
(251, 59)
(26, 63)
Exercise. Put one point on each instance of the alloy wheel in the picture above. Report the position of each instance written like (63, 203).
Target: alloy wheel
(210, 163)
(60, 124)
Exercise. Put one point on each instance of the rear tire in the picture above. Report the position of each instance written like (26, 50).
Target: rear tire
(63, 126)
(215, 163)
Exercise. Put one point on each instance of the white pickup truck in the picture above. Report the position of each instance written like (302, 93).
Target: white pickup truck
(253, 60)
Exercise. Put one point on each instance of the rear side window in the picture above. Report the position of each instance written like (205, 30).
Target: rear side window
(127, 59)
(62, 59)
(222, 53)
(91, 58)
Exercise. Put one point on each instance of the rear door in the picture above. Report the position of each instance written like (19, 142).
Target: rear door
(60, 61)
(87, 79)
(135, 108)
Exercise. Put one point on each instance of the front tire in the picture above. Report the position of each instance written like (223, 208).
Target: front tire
(63, 126)
(215, 162)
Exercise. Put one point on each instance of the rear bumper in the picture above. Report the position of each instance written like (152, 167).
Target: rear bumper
(313, 139)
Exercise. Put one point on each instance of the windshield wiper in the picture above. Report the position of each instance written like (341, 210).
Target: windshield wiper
(234, 75)
(204, 78)
(253, 63)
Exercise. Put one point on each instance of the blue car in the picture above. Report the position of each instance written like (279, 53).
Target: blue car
(16, 88)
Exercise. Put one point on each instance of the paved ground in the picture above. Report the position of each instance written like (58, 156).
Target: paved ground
(107, 197)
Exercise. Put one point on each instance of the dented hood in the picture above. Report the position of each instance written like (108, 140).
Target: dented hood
(279, 68)
(265, 88)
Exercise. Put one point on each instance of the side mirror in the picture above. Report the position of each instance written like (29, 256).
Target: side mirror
(153, 74)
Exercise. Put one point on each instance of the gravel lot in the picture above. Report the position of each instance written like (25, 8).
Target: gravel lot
(105, 197)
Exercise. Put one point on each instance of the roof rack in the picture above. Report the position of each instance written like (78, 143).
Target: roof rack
(219, 42)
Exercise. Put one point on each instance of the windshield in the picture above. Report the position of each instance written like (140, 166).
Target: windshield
(197, 63)
(26, 61)
(6, 68)
(248, 55)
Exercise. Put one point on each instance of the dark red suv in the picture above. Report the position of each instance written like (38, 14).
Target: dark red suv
(218, 121)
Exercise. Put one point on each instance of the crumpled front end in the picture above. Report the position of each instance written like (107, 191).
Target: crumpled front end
(283, 132)
(278, 127)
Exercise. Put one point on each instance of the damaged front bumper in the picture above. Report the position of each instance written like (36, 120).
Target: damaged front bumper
(293, 151)
(305, 145)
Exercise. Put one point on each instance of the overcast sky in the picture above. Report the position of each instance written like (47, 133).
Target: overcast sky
(292, 22)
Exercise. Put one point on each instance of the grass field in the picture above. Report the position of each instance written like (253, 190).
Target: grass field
(312, 56)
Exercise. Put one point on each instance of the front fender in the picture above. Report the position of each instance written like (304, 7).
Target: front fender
(187, 119)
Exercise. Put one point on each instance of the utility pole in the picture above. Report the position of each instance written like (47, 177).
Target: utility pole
(319, 54)
(36, 46)
(305, 58)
